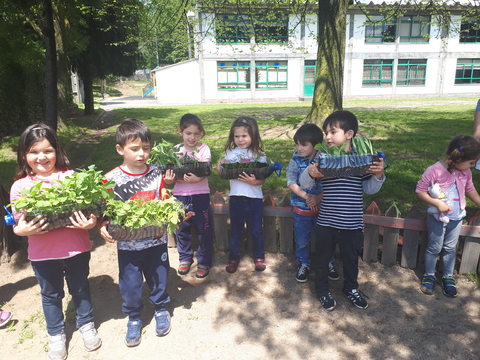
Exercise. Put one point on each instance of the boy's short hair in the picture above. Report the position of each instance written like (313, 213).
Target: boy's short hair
(308, 133)
(342, 119)
(131, 129)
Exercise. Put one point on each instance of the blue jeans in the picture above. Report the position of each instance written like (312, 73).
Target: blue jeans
(243, 209)
(441, 238)
(50, 275)
(303, 226)
(203, 225)
(152, 263)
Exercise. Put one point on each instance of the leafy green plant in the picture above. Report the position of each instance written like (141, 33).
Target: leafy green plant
(361, 144)
(164, 153)
(136, 213)
(82, 190)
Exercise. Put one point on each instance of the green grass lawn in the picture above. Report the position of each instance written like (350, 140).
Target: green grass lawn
(413, 133)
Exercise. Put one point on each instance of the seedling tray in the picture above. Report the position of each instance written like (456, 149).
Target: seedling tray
(199, 169)
(342, 166)
(122, 233)
(261, 171)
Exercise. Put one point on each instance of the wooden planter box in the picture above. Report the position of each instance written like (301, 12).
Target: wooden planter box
(344, 165)
(122, 233)
(261, 171)
(199, 169)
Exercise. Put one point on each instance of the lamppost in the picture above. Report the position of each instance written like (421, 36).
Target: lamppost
(190, 16)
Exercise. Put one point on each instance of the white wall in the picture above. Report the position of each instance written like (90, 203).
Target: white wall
(178, 84)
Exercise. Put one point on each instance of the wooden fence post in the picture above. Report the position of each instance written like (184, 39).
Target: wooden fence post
(410, 242)
(390, 241)
(371, 233)
(286, 229)
(220, 224)
(270, 227)
(471, 251)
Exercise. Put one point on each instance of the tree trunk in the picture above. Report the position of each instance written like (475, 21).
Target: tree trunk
(51, 106)
(88, 92)
(328, 93)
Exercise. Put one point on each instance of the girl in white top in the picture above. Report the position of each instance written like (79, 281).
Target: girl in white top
(194, 191)
(246, 198)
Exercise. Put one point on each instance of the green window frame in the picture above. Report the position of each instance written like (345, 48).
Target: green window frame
(271, 74)
(233, 75)
(414, 29)
(411, 72)
(470, 31)
(467, 71)
(380, 29)
(377, 72)
(233, 29)
(272, 30)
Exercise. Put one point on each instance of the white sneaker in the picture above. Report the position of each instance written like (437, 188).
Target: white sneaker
(57, 349)
(91, 340)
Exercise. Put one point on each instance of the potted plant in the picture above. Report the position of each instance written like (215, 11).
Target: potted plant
(336, 162)
(85, 191)
(140, 218)
(165, 156)
(261, 169)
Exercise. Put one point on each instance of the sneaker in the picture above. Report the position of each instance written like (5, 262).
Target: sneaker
(232, 266)
(332, 273)
(5, 317)
(134, 333)
(327, 301)
(184, 267)
(202, 271)
(428, 284)
(449, 286)
(162, 318)
(260, 264)
(302, 273)
(57, 348)
(356, 298)
(91, 340)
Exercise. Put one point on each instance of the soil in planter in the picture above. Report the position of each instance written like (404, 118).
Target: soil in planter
(58, 220)
(260, 170)
(199, 169)
(122, 233)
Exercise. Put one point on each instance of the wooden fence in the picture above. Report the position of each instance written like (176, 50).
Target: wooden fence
(403, 239)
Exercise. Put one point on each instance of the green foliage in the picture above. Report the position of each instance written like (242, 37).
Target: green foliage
(164, 153)
(140, 212)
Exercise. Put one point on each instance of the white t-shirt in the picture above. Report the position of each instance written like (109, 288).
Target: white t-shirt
(240, 188)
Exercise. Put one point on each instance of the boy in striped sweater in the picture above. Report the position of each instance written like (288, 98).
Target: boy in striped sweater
(340, 220)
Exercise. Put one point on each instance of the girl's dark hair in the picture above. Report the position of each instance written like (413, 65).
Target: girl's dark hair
(308, 133)
(190, 119)
(130, 129)
(31, 136)
(343, 119)
(462, 148)
(252, 128)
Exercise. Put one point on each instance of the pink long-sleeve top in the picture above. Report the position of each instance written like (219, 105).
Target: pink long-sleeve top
(438, 174)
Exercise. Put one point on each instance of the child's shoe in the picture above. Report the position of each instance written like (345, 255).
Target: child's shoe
(184, 267)
(91, 340)
(327, 301)
(232, 266)
(5, 317)
(428, 284)
(302, 273)
(356, 298)
(449, 286)
(57, 348)
(260, 264)
(134, 333)
(163, 324)
(332, 273)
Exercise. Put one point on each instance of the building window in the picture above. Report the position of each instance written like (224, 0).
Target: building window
(468, 71)
(380, 29)
(238, 29)
(233, 75)
(470, 31)
(271, 74)
(411, 71)
(377, 72)
(414, 29)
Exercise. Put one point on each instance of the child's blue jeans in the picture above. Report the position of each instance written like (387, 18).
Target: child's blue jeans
(303, 226)
(50, 275)
(442, 238)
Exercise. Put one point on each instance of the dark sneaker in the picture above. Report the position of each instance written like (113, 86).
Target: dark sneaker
(428, 284)
(327, 302)
(57, 348)
(356, 298)
(332, 273)
(449, 286)
(184, 267)
(91, 340)
(202, 271)
(162, 318)
(134, 333)
(302, 273)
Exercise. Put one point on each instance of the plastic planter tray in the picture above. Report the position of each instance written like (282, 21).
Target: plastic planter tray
(122, 233)
(199, 169)
(344, 165)
(62, 217)
(261, 171)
